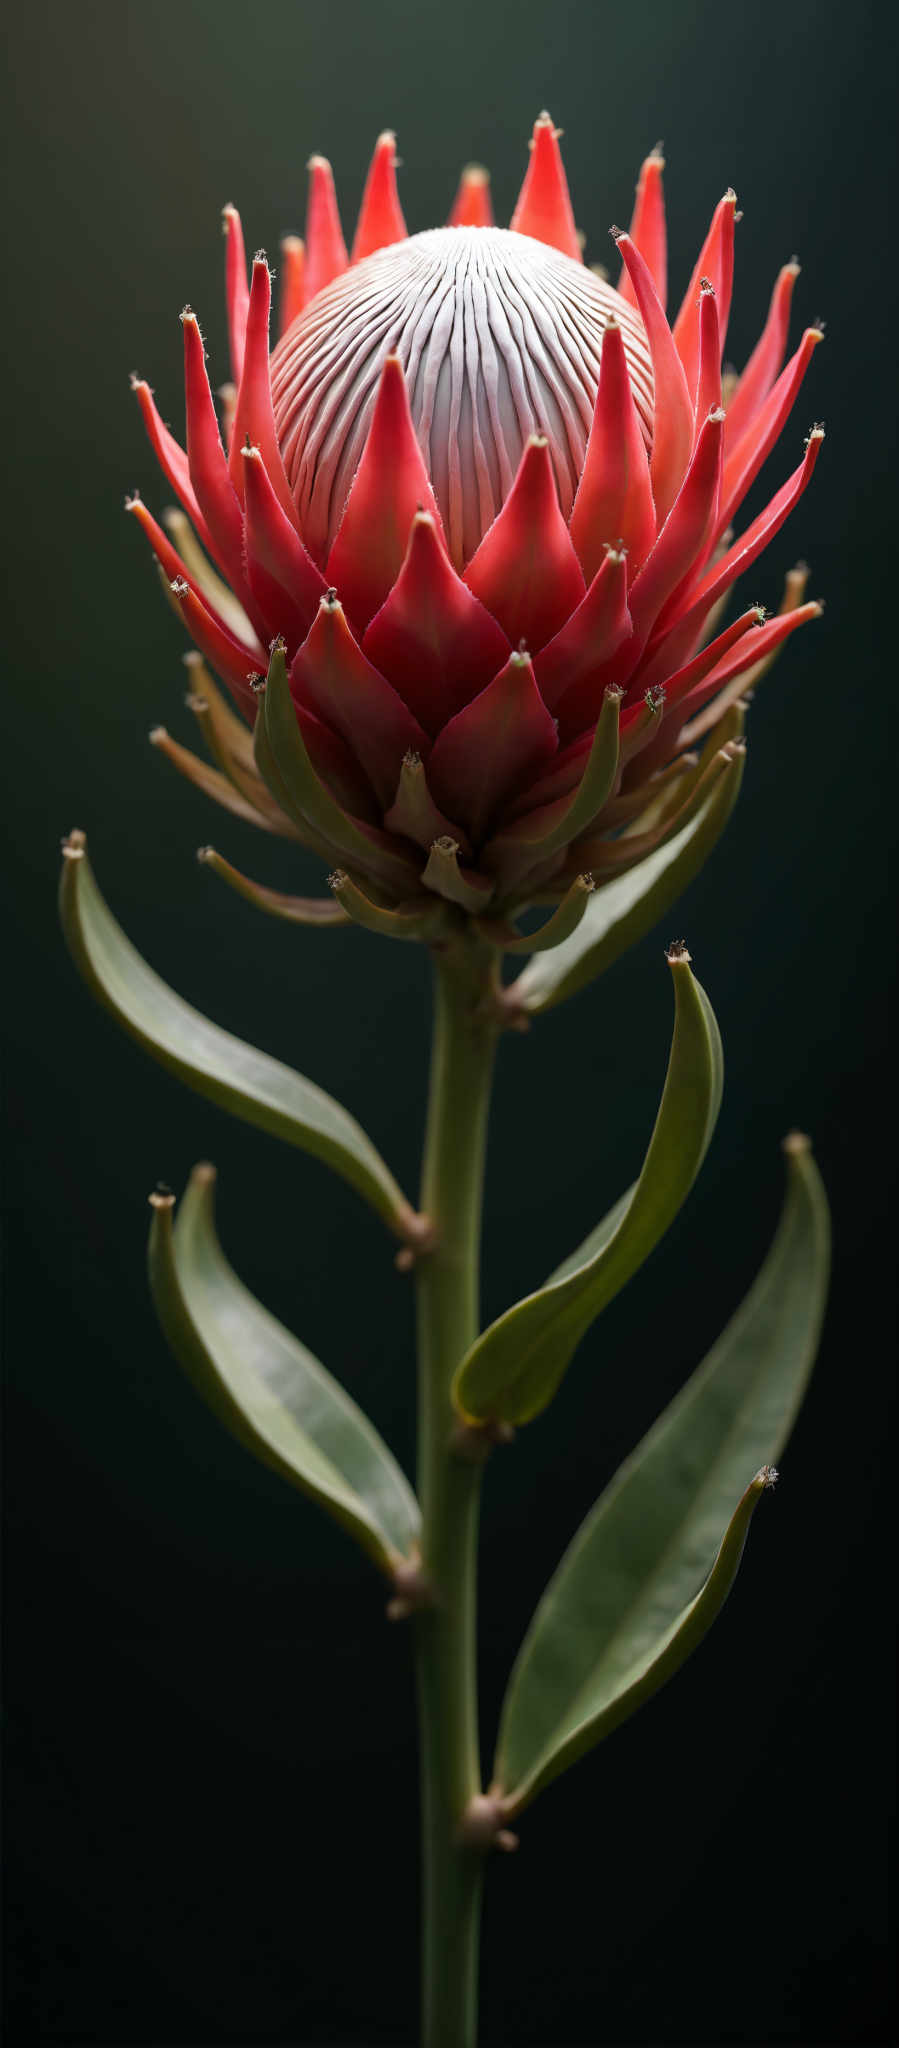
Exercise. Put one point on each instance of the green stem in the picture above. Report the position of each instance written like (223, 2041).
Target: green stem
(449, 1490)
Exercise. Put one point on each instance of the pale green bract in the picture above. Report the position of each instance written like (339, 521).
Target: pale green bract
(621, 912)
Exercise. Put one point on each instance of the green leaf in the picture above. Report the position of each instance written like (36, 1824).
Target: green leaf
(237, 1076)
(266, 1388)
(654, 1560)
(622, 911)
(514, 1368)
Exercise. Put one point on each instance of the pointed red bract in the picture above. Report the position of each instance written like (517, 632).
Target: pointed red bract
(708, 374)
(695, 601)
(500, 740)
(432, 638)
(672, 433)
(614, 505)
(679, 686)
(293, 281)
(254, 420)
(331, 675)
(230, 660)
(543, 209)
(171, 458)
(380, 215)
(472, 207)
(753, 648)
(744, 459)
(526, 570)
(282, 576)
(716, 262)
(685, 531)
(647, 229)
(571, 670)
(765, 360)
(391, 484)
(177, 571)
(326, 256)
(237, 292)
(215, 493)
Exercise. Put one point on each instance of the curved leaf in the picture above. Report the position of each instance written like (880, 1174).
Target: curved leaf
(266, 1388)
(652, 1563)
(514, 1368)
(622, 911)
(237, 1076)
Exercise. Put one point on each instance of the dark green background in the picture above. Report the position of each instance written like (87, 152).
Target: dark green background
(210, 1762)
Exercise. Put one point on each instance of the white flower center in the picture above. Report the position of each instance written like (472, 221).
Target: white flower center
(499, 336)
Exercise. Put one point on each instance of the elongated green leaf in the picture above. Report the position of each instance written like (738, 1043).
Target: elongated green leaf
(267, 1389)
(238, 1076)
(514, 1368)
(652, 1563)
(622, 911)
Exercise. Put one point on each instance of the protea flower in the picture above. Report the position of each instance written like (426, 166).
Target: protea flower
(473, 517)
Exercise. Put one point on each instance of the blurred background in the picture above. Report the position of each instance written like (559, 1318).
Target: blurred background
(211, 1799)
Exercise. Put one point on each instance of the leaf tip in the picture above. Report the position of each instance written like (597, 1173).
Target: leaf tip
(74, 846)
(796, 1145)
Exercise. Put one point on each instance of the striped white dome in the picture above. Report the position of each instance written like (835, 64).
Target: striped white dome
(499, 336)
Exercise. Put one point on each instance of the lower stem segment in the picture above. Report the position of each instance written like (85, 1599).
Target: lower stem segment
(449, 1490)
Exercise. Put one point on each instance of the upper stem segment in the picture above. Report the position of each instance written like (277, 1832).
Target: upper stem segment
(449, 1490)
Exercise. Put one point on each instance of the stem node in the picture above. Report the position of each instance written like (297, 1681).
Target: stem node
(474, 1441)
(412, 1590)
(481, 1826)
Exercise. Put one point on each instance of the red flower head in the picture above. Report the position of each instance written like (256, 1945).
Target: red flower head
(473, 518)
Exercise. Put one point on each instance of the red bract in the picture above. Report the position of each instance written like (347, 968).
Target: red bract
(475, 515)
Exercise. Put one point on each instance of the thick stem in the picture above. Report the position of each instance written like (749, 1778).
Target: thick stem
(449, 1490)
